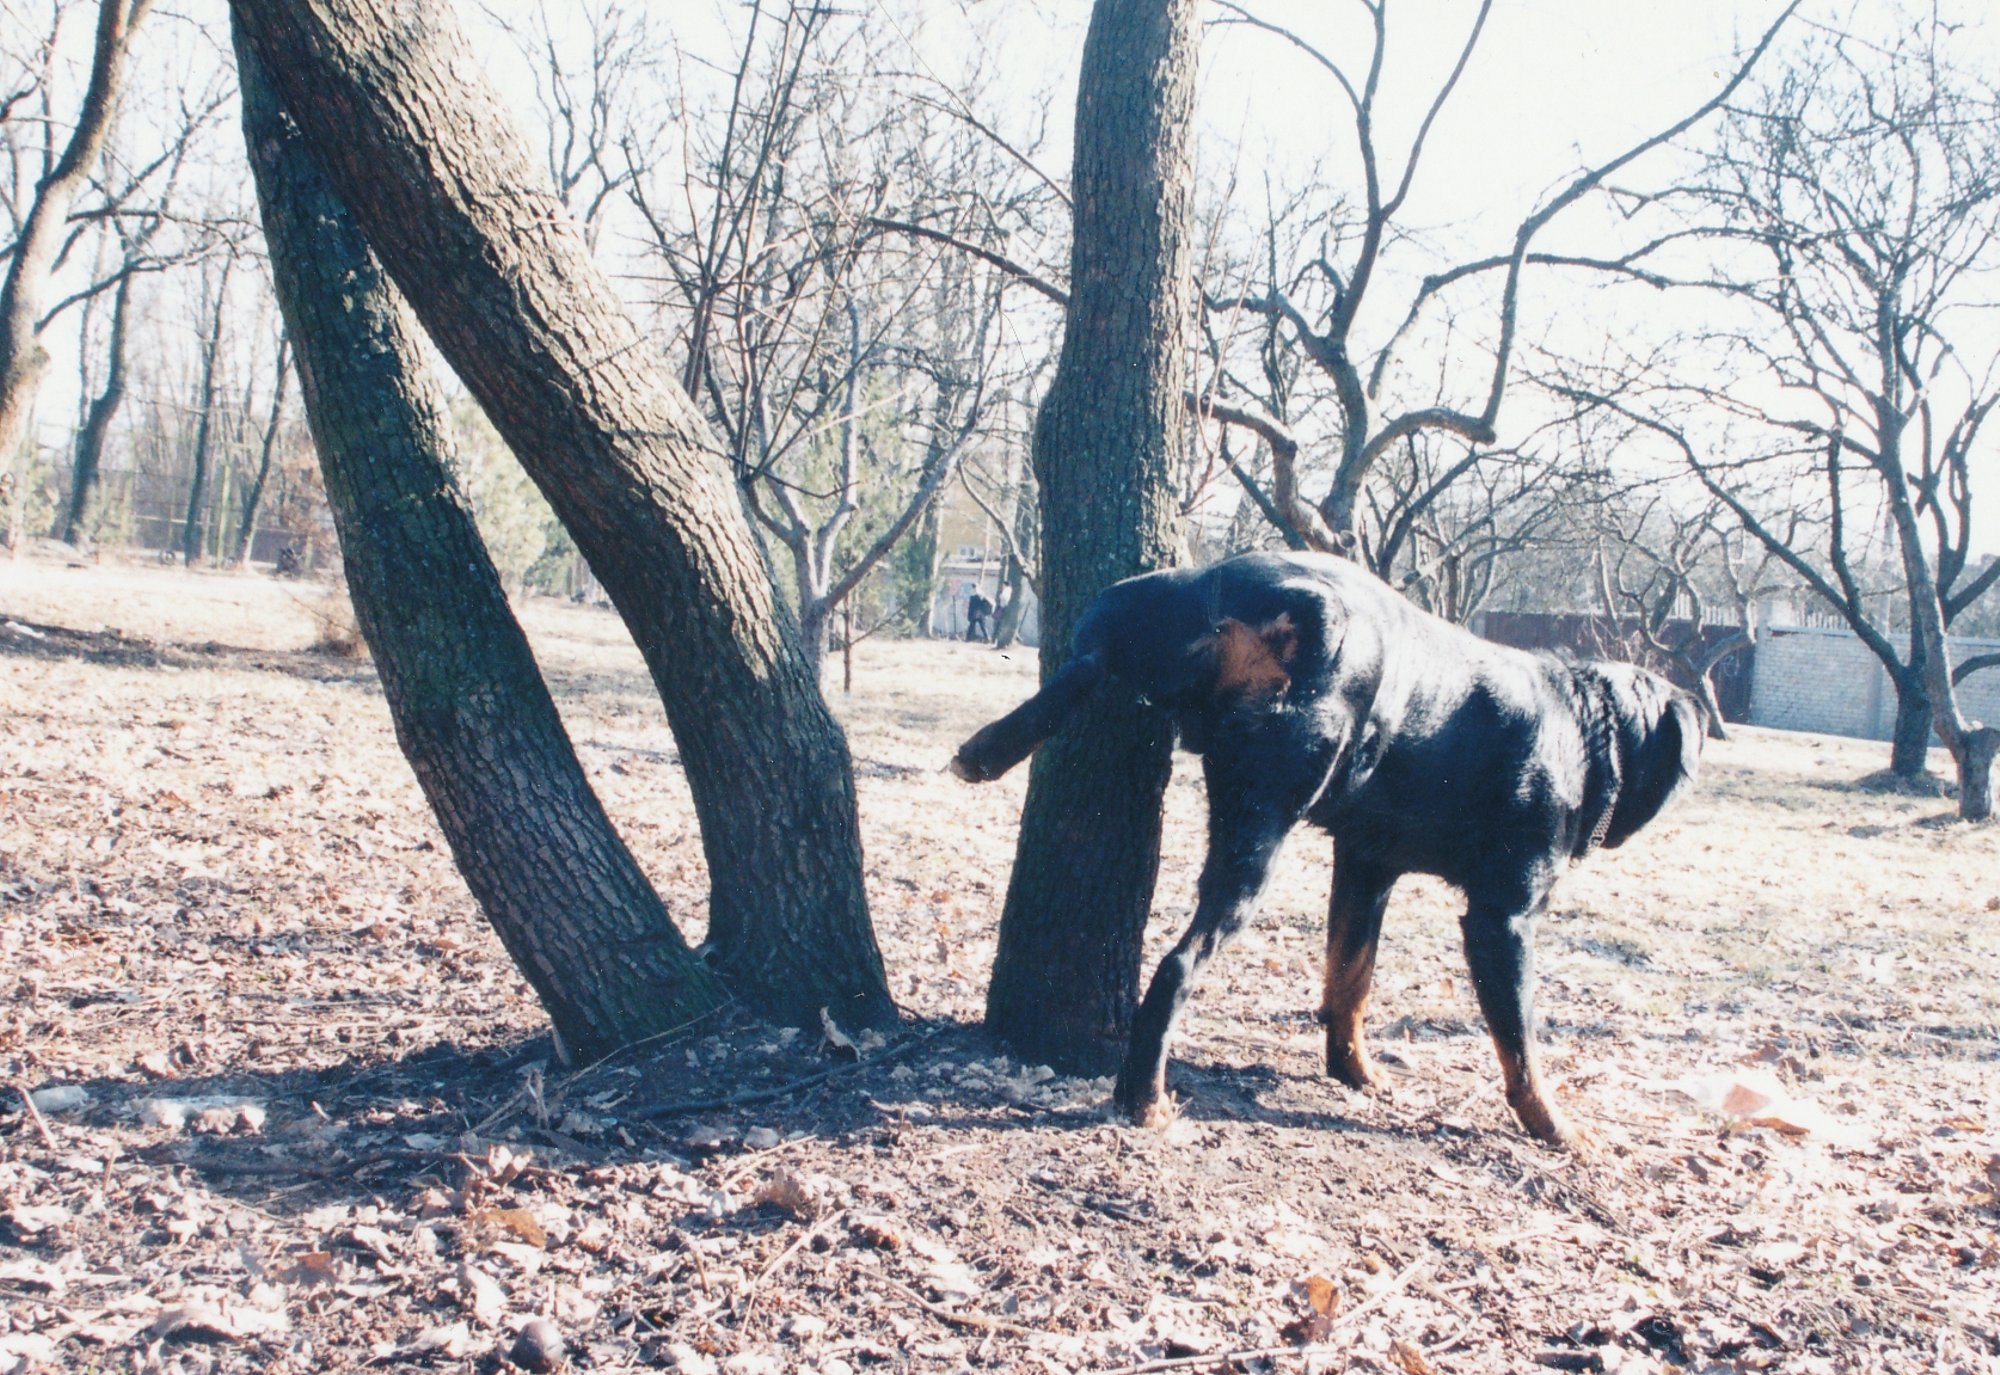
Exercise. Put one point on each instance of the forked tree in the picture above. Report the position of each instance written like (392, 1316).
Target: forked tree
(470, 708)
(422, 153)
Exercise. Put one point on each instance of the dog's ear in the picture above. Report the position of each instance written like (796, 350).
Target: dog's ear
(1254, 661)
(1664, 731)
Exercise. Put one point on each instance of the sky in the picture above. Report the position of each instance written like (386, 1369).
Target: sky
(1553, 86)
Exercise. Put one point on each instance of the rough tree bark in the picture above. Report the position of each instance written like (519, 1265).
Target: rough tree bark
(1110, 455)
(22, 357)
(471, 711)
(1910, 737)
(424, 156)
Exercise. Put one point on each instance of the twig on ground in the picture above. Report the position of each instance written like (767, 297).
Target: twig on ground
(784, 1090)
(35, 1114)
(531, 1088)
(1259, 1353)
(819, 1228)
(700, 1269)
(977, 1321)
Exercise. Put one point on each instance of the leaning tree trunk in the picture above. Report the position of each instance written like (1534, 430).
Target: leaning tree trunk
(471, 711)
(1975, 748)
(424, 156)
(87, 467)
(1109, 454)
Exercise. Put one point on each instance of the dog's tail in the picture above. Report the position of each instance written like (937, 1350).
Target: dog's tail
(999, 747)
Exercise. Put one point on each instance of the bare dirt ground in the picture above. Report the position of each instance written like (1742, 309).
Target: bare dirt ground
(296, 1111)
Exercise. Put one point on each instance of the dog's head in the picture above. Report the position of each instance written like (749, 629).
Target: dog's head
(1658, 734)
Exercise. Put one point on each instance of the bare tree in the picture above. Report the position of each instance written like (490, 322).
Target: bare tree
(74, 516)
(1318, 267)
(43, 229)
(1857, 197)
(847, 368)
(1450, 517)
(1658, 567)
(213, 317)
(253, 499)
(586, 98)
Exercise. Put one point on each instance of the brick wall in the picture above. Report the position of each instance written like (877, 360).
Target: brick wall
(1584, 635)
(1827, 680)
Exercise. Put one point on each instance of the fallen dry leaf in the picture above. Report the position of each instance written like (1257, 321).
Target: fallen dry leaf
(218, 1320)
(1408, 1359)
(877, 1232)
(518, 1222)
(1322, 1298)
(804, 1196)
(481, 1294)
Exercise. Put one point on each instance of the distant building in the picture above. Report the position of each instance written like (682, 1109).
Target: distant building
(973, 558)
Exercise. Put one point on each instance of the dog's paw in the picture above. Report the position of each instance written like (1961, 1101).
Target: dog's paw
(1143, 1101)
(1552, 1127)
(1353, 1067)
(1156, 1115)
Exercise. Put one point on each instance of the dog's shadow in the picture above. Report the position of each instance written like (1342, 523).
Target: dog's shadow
(1210, 1089)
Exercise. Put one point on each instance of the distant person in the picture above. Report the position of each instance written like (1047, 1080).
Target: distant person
(978, 618)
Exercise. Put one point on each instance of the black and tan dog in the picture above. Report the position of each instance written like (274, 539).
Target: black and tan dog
(1315, 693)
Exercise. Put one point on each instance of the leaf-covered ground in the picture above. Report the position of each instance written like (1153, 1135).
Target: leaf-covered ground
(296, 1112)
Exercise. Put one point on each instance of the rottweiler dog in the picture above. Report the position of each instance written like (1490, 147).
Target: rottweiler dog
(1314, 693)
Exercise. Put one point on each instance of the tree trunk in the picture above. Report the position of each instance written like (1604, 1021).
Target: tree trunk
(1910, 745)
(471, 711)
(923, 555)
(1978, 760)
(204, 430)
(246, 533)
(816, 631)
(1704, 691)
(1973, 746)
(1007, 624)
(23, 360)
(86, 469)
(426, 159)
(1110, 456)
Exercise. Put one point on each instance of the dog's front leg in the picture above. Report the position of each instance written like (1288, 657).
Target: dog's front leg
(1230, 886)
(1259, 785)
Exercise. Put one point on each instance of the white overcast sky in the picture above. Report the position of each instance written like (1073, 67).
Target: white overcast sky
(1554, 85)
